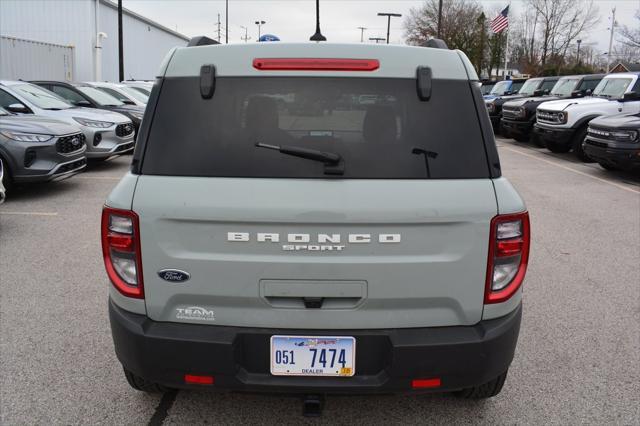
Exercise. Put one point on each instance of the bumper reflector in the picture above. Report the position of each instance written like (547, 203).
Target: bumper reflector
(425, 383)
(198, 380)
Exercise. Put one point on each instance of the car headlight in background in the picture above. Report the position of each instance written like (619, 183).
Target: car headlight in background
(625, 135)
(93, 123)
(490, 106)
(25, 137)
(521, 112)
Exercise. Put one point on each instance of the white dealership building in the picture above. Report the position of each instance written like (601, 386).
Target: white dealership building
(77, 40)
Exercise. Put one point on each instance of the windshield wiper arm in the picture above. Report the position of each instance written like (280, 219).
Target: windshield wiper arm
(333, 163)
(427, 156)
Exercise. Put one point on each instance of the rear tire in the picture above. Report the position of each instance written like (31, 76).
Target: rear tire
(486, 390)
(7, 180)
(521, 138)
(577, 145)
(558, 148)
(143, 385)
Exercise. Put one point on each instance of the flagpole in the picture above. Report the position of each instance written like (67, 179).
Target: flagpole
(506, 54)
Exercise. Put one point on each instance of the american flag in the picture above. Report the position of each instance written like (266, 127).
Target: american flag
(500, 22)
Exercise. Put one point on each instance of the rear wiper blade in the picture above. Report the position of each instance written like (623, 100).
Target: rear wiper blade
(333, 163)
(427, 155)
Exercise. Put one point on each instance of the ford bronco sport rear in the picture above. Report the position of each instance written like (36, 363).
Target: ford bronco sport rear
(316, 218)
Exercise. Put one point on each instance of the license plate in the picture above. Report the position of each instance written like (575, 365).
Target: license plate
(313, 356)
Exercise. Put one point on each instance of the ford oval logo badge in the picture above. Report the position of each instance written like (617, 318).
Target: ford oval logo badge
(174, 275)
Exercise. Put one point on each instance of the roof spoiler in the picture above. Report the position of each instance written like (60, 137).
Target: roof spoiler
(201, 41)
(435, 43)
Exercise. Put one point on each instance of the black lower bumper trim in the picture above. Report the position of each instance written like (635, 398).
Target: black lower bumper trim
(386, 360)
(625, 159)
(557, 136)
(520, 128)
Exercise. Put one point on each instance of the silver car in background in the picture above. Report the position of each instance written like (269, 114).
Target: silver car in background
(2, 196)
(38, 149)
(107, 133)
(143, 86)
(124, 93)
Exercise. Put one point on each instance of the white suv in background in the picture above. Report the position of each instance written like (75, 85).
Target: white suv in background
(562, 125)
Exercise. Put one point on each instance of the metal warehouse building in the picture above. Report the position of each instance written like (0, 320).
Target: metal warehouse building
(78, 40)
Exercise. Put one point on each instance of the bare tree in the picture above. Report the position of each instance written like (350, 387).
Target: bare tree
(459, 28)
(561, 22)
(630, 36)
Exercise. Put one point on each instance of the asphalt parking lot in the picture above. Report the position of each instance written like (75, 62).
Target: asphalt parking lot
(577, 361)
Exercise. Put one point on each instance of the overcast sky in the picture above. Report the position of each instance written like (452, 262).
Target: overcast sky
(294, 20)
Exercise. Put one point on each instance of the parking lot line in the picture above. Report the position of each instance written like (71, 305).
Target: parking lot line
(29, 213)
(562, 166)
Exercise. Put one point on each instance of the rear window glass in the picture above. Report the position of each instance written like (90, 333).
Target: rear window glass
(379, 127)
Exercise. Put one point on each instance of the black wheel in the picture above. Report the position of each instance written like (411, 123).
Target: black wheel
(486, 390)
(609, 167)
(521, 138)
(556, 147)
(537, 141)
(576, 144)
(143, 385)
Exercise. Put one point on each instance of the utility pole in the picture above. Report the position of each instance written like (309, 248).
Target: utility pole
(226, 22)
(389, 16)
(218, 23)
(578, 58)
(439, 18)
(377, 39)
(246, 34)
(613, 26)
(120, 43)
(362, 33)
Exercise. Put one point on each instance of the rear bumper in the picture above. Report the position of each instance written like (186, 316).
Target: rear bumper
(561, 136)
(386, 360)
(626, 159)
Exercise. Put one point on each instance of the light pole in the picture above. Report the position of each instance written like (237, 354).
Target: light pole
(579, 41)
(377, 39)
(260, 24)
(389, 16)
(246, 33)
(226, 22)
(613, 26)
(362, 33)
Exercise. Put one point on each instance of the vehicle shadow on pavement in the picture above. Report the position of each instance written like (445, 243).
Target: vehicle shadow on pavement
(594, 169)
(210, 407)
(32, 191)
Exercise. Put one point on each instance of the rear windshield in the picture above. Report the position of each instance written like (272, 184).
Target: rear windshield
(379, 127)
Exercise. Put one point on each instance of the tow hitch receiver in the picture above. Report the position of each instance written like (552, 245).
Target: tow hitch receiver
(312, 405)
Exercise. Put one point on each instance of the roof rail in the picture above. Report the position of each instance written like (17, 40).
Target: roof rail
(435, 43)
(201, 41)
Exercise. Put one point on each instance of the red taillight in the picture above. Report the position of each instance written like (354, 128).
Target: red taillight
(315, 64)
(198, 380)
(508, 256)
(425, 383)
(121, 251)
